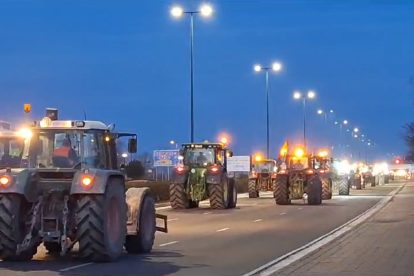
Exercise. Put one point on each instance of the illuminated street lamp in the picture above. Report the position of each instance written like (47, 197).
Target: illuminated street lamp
(205, 11)
(124, 156)
(298, 95)
(172, 142)
(356, 129)
(275, 67)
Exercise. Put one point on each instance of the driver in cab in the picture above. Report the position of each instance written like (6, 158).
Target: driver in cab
(67, 151)
(201, 158)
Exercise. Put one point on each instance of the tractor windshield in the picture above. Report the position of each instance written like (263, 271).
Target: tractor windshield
(266, 166)
(199, 157)
(299, 163)
(57, 148)
(10, 151)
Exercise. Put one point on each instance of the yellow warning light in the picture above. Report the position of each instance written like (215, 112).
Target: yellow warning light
(299, 152)
(323, 153)
(258, 158)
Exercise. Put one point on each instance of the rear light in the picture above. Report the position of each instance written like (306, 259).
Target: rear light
(322, 171)
(86, 181)
(179, 169)
(5, 181)
(309, 171)
(215, 169)
(282, 171)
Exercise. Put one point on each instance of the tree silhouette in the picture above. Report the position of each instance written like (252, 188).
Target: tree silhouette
(135, 170)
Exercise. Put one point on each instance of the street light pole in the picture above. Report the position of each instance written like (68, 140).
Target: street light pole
(192, 75)
(205, 11)
(298, 95)
(267, 116)
(275, 67)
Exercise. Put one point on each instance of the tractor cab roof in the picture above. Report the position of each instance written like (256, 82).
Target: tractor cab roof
(5, 133)
(265, 160)
(203, 145)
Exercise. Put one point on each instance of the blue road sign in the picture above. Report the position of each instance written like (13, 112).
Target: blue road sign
(165, 158)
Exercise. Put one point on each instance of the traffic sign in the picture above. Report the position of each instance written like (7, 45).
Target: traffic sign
(166, 158)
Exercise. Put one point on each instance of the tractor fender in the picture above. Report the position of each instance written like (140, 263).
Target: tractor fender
(215, 178)
(179, 178)
(134, 197)
(99, 181)
(22, 181)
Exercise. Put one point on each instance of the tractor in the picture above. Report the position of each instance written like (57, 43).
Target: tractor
(11, 146)
(298, 179)
(322, 164)
(368, 176)
(70, 190)
(262, 176)
(203, 175)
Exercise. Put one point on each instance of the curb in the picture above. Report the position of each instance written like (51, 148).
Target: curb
(297, 254)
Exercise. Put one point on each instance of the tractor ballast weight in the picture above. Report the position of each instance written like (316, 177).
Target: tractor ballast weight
(262, 176)
(86, 202)
(203, 175)
(301, 182)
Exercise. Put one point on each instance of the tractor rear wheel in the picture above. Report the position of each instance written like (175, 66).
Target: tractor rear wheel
(101, 223)
(219, 194)
(144, 240)
(357, 183)
(281, 191)
(13, 229)
(344, 186)
(251, 187)
(314, 190)
(326, 189)
(179, 199)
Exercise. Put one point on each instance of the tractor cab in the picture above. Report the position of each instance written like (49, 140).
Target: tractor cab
(263, 167)
(203, 155)
(11, 147)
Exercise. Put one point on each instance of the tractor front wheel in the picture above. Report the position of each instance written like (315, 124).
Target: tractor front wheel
(344, 186)
(252, 188)
(314, 190)
(326, 189)
(219, 194)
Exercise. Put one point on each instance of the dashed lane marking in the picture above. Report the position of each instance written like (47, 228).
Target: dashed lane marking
(168, 243)
(257, 220)
(206, 213)
(173, 219)
(74, 267)
(282, 214)
(223, 229)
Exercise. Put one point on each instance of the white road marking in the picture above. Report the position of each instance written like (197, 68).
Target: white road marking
(173, 219)
(257, 220)
(168, 243)
(300, 208)
(224, 229)
(291, 257)
(74, 267)
(282, 214)
(206, 213)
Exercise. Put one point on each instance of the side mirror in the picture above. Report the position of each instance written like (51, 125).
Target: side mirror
(122, 166)
(230, 153)
(132, 145)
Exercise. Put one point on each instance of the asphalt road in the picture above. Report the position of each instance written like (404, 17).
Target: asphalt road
(223, 243)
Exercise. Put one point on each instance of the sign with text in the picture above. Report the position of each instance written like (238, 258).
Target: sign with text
(238, 164)
(165, 158)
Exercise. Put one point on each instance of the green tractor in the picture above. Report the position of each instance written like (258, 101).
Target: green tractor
(262, 176)
(203, 175)
(298, 179)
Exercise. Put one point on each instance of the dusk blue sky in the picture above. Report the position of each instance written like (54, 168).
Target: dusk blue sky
(128, 63)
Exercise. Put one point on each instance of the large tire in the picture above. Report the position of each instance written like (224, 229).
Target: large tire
(233, 194)
(326, 189)
(374, 181)
(219, 194)
(281, 192)
(101, 223)
(251, 187)
(13, 229)
(344, 186)
(179, 199)
(314, 190)
(143, 241)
